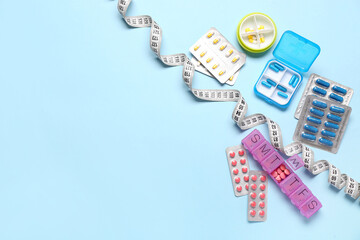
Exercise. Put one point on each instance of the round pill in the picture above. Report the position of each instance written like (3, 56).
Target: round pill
(262, 187)
(274, 174)
(233, 162)
(239, 188)
(262, 196)
(246, 178)
(262, 204)
(253, 177)
(261, 213)
(252, 213)
(232, 154)
(237, 179)
(253, 204)
(241, 153)
(247, 186)
(278, 178)
(253, 186)
(243, 161)
(287, 172)
(236, 171)
(282, 167)
(253, 195)
(279, 171)
(282, 175)
(263, 178)
(244, 169)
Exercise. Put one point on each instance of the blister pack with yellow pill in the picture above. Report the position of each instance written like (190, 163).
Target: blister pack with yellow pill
(218, 55)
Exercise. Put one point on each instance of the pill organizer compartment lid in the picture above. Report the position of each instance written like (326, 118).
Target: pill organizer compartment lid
(296, 51)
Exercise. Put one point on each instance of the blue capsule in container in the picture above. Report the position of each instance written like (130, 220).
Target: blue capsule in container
(310, 128)
(317, 112)
(308, 136)
(292, 79)
(271, 82)
(266, 84)
(336, 97)
(333, 117)
(314, 120)
(319, 104)
(337, 109)
(283, 95)
(281, 68)
(319, 91)
(326, 142)
(340, 90)
(272, 67)
(322, 83)
(281, 88)
(327, 133)
(331, 125)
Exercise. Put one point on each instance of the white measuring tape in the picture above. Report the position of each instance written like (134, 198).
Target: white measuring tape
(335, 178)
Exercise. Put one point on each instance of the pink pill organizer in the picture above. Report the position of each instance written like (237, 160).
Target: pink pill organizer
(288, 181)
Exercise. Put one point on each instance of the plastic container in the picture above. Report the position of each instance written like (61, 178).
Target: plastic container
(294, 55)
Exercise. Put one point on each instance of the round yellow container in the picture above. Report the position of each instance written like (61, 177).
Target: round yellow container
(256, 32)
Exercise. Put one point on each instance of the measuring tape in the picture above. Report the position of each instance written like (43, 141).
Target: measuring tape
(335, 178)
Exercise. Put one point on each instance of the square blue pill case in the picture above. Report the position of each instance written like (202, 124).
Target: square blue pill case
(281, 76)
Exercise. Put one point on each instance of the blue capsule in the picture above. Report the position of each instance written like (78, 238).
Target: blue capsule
(333, 117)
(327, 133)
(339, 90)
(271, 82)
(310, 128)
(272, 67)
(317, 112)
(326, 142)
(281, 88)
(319, 104)
(319, 91)
(292, 79)
(331, 125)
(283, 95)
(314, 120)
(337, 109)
(336, 97)
(281, 68)
(322, 83)
(266, 84)
(308, 136)
(295, 81)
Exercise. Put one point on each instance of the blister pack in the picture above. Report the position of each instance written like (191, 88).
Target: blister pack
(200, 68)
(239, 169)
(217, 55)
(257, 198)
(288, 181)
(322, 123)
(326, 89)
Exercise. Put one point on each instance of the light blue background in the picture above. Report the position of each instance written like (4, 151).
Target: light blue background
(100, 141)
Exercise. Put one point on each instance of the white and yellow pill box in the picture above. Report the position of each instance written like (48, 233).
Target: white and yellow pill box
(218, 55)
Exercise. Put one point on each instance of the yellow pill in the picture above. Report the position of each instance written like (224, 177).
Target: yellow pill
(252, 40)
(250, 37)
(235, 59)
(228, 54)
(222, 47)
(261, 27)
(209, 59)
(216, 40)
(262, 39)
(215, 66)
(222, 72)
(210, 34)
(202, 54)
(249, 30)
(231, 78)
(196, 47)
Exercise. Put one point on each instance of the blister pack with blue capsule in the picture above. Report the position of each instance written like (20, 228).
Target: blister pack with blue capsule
(281, 76)
(326, 89)
(322, 123)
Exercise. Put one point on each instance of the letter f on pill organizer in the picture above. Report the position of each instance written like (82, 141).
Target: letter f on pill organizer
(281, 76)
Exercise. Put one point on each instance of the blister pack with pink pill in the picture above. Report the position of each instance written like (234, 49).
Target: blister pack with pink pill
(239, 169)
(257, 198)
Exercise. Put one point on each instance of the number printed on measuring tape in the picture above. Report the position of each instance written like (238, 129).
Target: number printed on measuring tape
(335, 177)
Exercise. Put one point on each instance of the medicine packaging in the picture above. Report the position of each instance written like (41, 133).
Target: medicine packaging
(281, 76)
(322, 123)
(326, 89)
(239, 169)
(218, 55)
(288, 181)
(257, 198)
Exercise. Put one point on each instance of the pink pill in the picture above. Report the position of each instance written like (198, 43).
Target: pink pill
(274, 174)
(282, 167)
(252, 213)
(262, 204)
(278, 178)
(237, 180)
(279, 171)
(253, 177)
(282, 175)
(253, 204)
(244, 169)
(262, 187)
(233, 163)
(261, 213)
(232, 154)
(239, 188)
(262, 196)
(242, 161)
(287, 172)
(241, 152)
(236, 171)
(247, 186)
(253, 195)
(246, 178)
(253, 186)
(263, 178)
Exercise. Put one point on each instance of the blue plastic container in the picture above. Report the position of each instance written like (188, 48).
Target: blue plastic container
(295, 54)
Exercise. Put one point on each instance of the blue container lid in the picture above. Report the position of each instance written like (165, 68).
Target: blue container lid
(296, 51)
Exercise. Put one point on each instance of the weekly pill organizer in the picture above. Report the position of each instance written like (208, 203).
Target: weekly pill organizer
(322, 123)
(326, 89)
(281, 76)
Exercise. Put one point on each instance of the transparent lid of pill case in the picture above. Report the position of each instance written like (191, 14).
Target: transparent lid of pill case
(296, 51)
